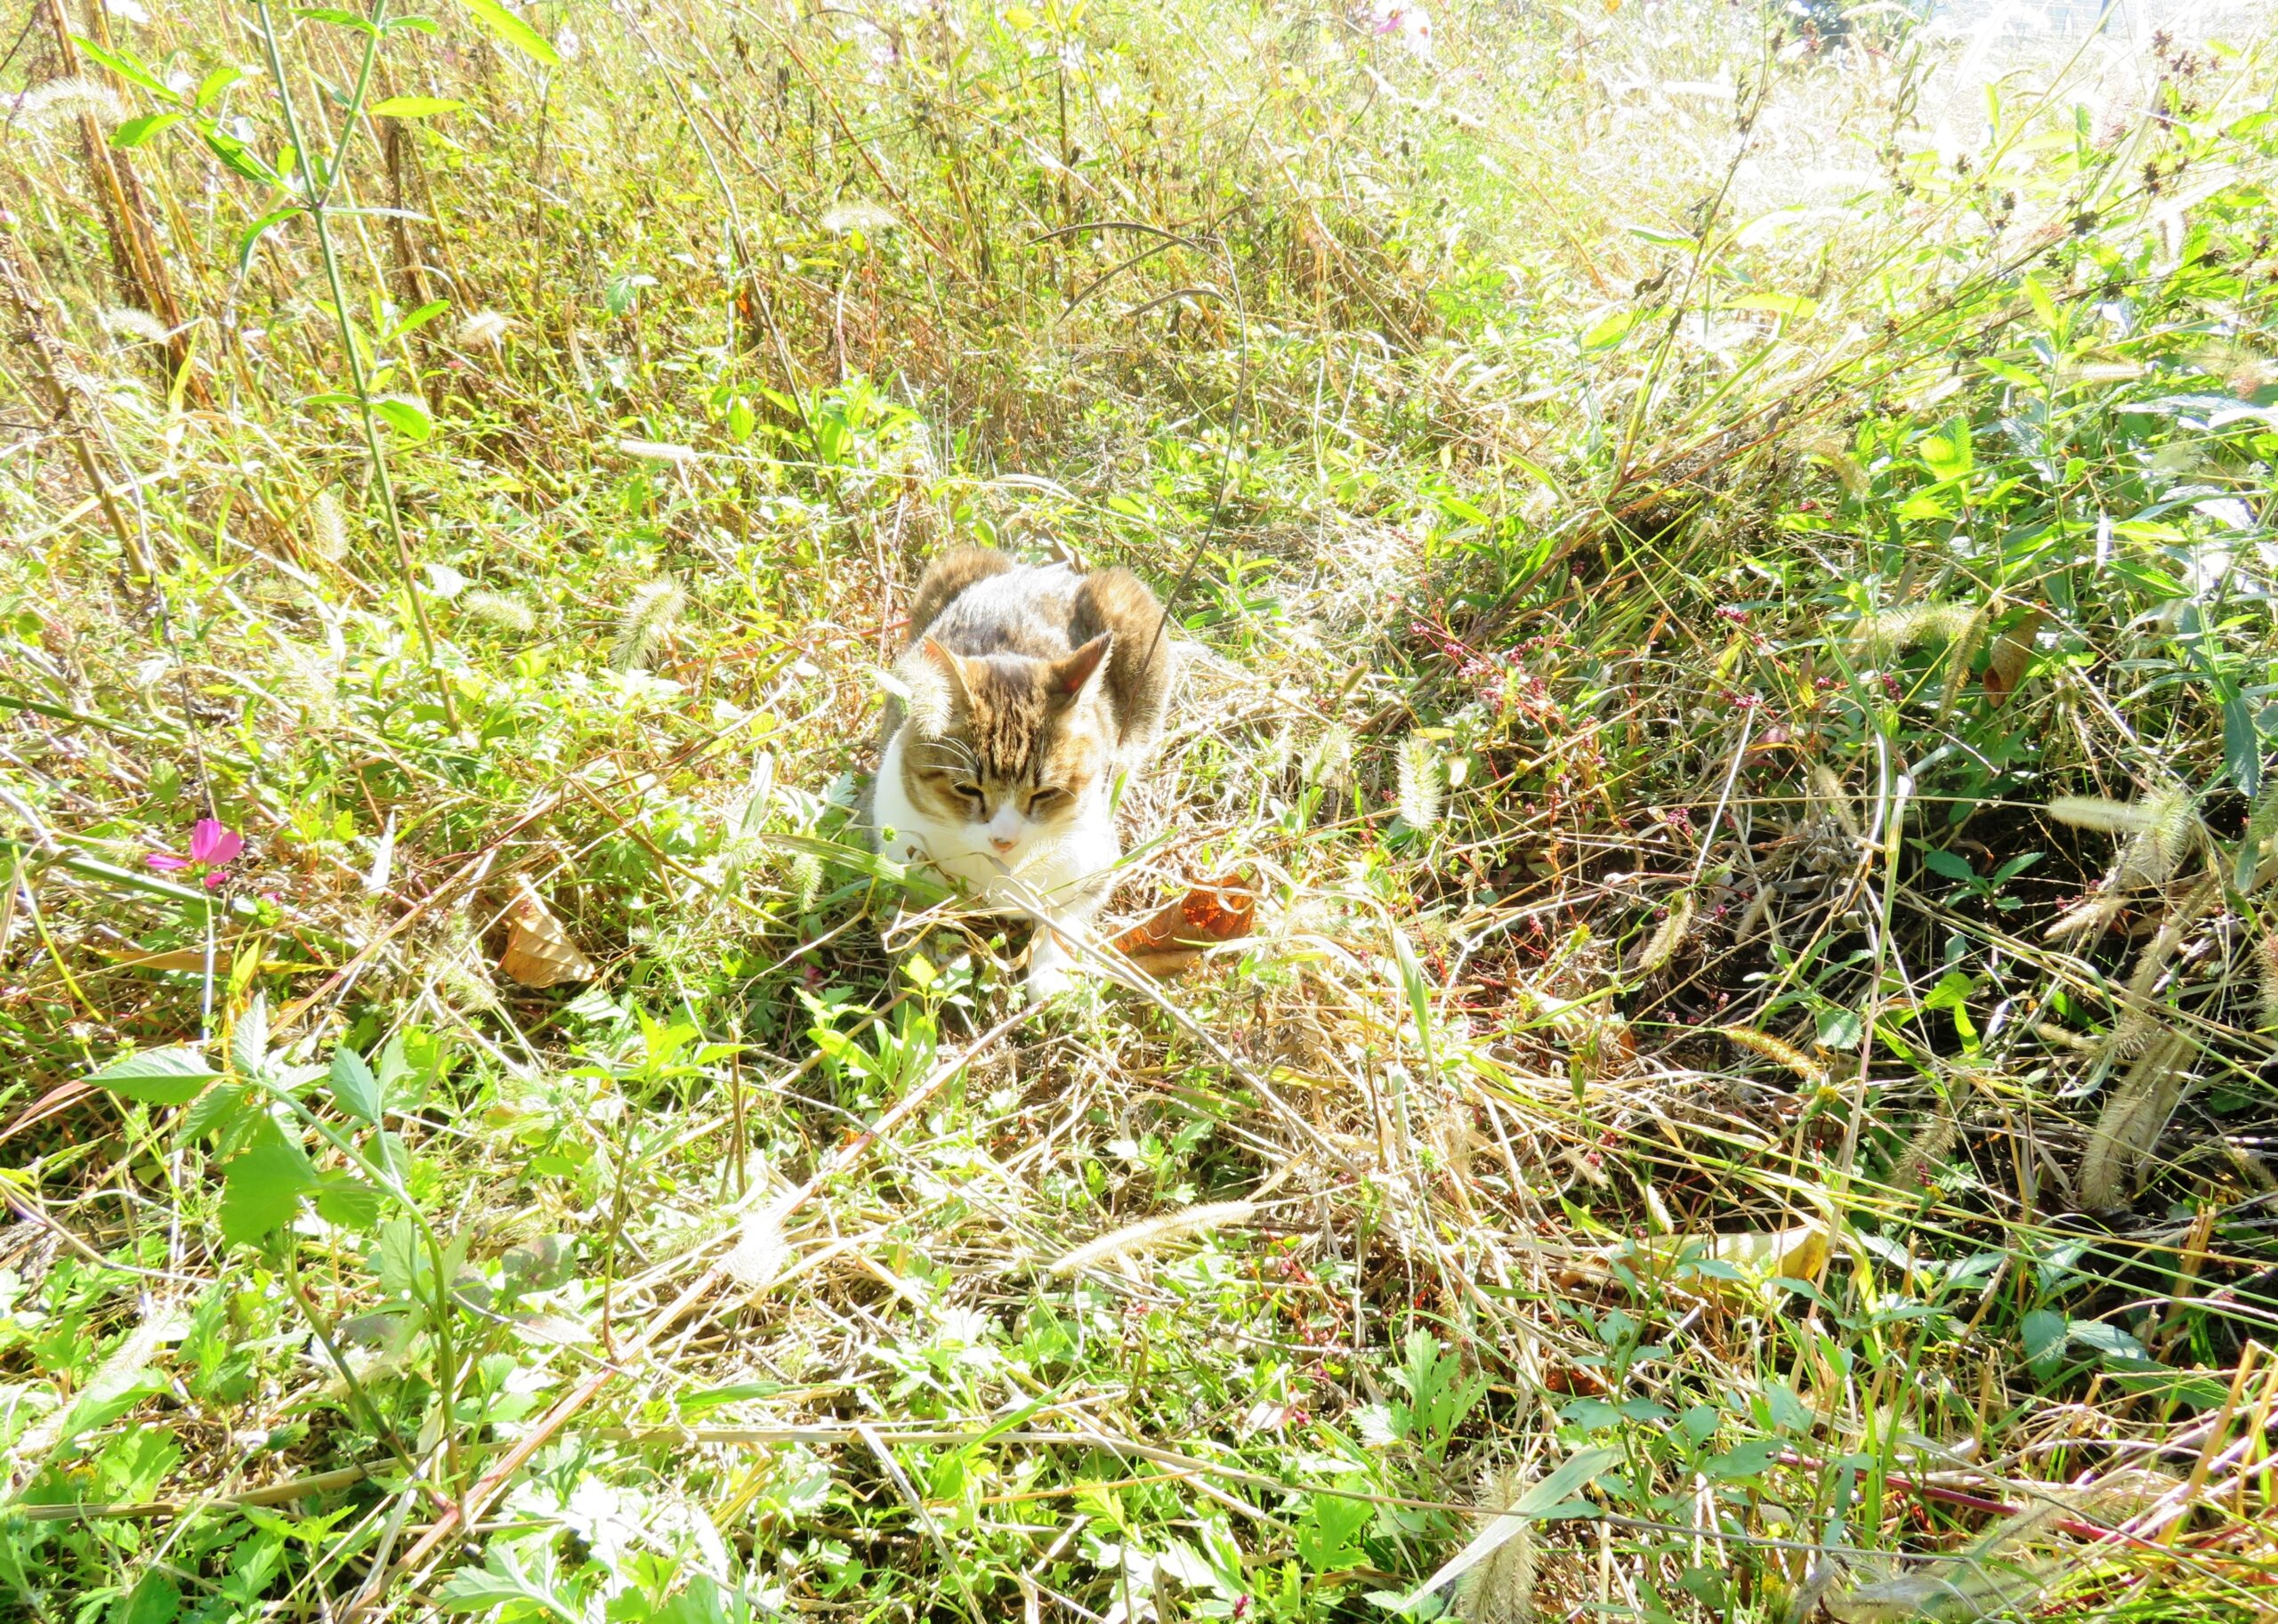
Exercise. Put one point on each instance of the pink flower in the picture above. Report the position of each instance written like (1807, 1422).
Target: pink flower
(212, 848)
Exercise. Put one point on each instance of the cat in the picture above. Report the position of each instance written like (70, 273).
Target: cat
(1032, 690)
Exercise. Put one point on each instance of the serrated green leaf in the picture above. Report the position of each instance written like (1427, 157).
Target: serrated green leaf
(212, 1110)
(514, 31)
(261, 1190)
(249, 1038)
(347, 1202)
(2043, 1334)
(158, 1077)
(354, 1089)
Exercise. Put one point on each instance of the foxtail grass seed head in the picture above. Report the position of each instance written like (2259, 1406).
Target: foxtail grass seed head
(659, 451)
(43, 107)
(1422, 783)
(508, 614)
(1918, 1163)
(1329, 759)
(125, 321)
(1501, 1589)
(1773, 1048)
(2266, 979)
(1668, 936)
(327, 531)
(653, 612)
(1136, 1238)
(1893, 631)
(484, 330)
(806, 879)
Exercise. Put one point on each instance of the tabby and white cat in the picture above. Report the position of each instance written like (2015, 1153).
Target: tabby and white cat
(1032, 690)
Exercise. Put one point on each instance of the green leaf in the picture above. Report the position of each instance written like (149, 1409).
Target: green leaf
(407, 416)
(158, 1077)
(2109, 1340)
(1793, 305)
(354, 1089)
(240, 159)
(514, 31)
(249, 1038)
(1952, 865)
(347, 1202)
(2043, 1332)
(1748, 1460)
(329, 13)
(1329, 1533)
(123, 65)
(1611, 331)
(156, 1599)
(413, 107)
(250, 239)
(261, 1190)
(1788, 1410)
(214, 1110)
(134, 131)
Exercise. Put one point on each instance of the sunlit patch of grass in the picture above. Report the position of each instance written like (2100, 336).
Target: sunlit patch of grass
(1734, 642)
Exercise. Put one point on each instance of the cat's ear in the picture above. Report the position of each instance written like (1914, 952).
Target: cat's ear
(1074, 676)
(940, 689)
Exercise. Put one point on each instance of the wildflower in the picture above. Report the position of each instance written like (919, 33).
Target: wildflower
(213, 848)
(1405, 21)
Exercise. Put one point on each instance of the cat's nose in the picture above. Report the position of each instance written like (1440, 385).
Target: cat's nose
(1004, 842)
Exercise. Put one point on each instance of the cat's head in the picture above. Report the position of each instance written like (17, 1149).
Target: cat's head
(1008, 750)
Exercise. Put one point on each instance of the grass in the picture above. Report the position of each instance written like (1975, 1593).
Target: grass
(1729, 623)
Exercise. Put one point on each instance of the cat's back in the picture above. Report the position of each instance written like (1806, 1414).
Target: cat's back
(1023, 609)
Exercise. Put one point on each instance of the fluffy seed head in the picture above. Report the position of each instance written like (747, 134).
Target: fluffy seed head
(508, 614)
(327, 531)
(654, 611)
(1896, 630)
(1423, 783)
(127, 322)
(483, 330)
(45, 106)
(658, 451)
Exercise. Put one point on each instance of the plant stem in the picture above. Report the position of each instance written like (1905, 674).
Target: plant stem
(316, 198)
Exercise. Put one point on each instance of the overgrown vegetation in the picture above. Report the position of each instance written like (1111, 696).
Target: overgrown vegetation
(1730, 625)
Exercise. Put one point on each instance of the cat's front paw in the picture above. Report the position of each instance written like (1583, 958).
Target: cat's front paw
(1051, 971)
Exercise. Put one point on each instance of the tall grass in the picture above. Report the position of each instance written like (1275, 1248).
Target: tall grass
(1727, 612)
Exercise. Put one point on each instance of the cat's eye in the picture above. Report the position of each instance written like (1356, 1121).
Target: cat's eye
(1044, 800)
(972, 793)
